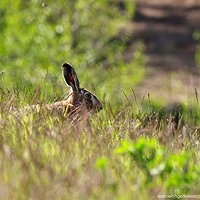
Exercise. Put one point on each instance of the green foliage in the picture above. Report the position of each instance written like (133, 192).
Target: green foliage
(37, 37)
(101, 162)
(173, 170)
(196, 36)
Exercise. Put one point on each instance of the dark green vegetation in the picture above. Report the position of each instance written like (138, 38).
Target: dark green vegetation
(133, 149)
(196, 37)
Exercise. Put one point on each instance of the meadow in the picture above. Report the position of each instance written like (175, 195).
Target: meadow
(135, 148)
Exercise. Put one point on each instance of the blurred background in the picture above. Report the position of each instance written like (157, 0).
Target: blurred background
(170, 32)
(118, 48)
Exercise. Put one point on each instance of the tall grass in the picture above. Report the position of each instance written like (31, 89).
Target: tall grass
(123, 154)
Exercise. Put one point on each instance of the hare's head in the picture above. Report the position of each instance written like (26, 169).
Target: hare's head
(79, 97)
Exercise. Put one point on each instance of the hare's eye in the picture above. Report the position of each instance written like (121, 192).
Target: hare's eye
(88, 95)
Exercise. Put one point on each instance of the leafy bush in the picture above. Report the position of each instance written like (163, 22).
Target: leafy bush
(173, 170)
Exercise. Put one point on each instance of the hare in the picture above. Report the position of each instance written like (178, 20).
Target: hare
(79, 101)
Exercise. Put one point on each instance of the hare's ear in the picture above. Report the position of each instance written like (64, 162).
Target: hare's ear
(70, 76)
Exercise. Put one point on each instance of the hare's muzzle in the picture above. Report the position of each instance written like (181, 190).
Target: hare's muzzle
(97, 106)
(100, 107)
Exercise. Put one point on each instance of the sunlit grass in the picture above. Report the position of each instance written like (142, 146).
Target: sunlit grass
(46, 156)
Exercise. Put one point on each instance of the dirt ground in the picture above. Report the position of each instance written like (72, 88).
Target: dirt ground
(166, 29)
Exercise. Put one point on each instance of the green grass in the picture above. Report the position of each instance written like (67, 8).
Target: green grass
(122, 154)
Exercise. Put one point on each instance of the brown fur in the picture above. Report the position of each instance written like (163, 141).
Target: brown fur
(79, 100)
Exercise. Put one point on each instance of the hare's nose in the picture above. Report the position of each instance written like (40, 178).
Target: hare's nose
(100, 107)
